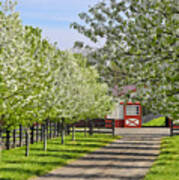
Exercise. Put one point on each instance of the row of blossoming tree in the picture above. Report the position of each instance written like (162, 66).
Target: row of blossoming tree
(39, 82)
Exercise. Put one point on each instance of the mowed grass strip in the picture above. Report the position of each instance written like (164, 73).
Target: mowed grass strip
(15, 166)
(166, 167)
(156, 122)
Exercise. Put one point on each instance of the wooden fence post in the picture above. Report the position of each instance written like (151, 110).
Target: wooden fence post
(62, 131)
(113, 127)
(7, 139)
(0, 139)
(56, 124)
(37, 132)
(171, 128)
(85, 129)
(14, 137)
(91, 127)
(32, 135)
(0, 133)
(47, 130)
(58, 129)
(41, 132)
(54, 129)
(20, 135)
(0, 142)
(45, 136)
(68, 129)
(167, 122)
(50, 130)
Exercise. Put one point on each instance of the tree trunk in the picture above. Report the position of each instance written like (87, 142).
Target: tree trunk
(45, 137)
(85, 129)
(62, 132)
(73, 133)
(27, 141)
(91, 128)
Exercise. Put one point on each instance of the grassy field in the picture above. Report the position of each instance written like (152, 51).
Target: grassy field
(156, 122)
(15, 166)
(166, 167)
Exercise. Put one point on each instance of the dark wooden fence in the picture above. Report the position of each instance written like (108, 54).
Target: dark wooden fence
(174, 128)
(17, 137)
(97, 126)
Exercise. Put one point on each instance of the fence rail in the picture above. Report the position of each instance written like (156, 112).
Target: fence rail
(174, 128)
(17, 137)
(98, 126)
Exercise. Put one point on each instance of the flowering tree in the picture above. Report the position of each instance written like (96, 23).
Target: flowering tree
(141, 40)
(24, 71)
(39, 82)
(78, 95)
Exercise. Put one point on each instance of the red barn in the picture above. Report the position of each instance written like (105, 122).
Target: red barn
(126, 115)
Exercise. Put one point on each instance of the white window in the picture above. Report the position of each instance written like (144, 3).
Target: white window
(121, 111)
(132, 110)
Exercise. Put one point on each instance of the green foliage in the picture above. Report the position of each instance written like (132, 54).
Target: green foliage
(141, 47)
(14, 166)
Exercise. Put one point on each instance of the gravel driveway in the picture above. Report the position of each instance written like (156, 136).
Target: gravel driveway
(128, 158)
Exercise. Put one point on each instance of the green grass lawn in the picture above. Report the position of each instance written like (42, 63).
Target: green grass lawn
(15, 166)
(166, 167)
(156, 122)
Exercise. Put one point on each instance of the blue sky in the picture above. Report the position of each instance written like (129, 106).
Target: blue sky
(54, 18)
